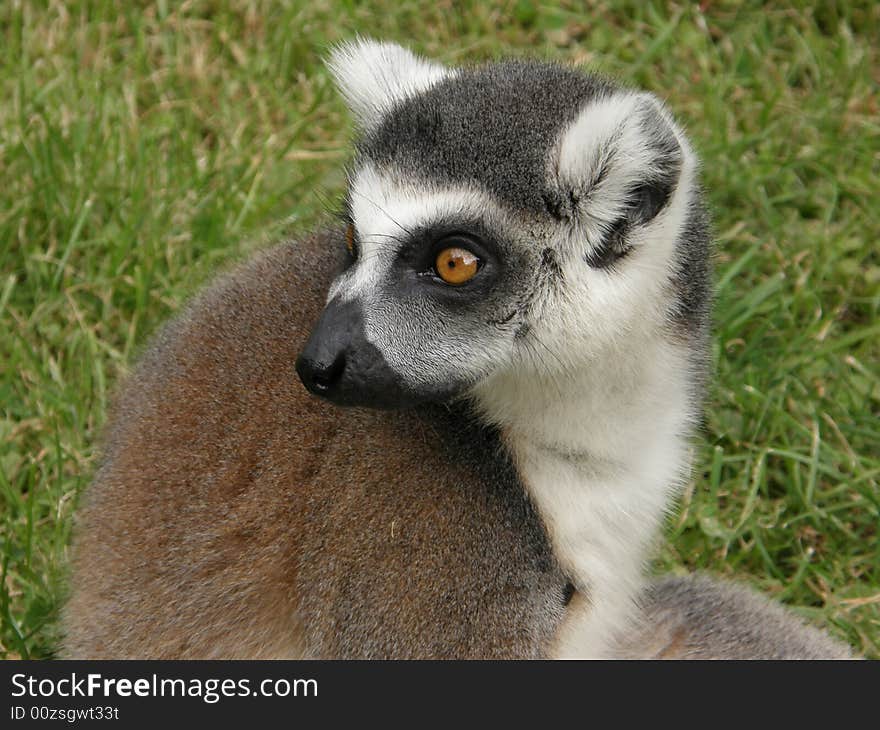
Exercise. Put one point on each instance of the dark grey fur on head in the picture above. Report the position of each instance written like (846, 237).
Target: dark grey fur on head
(492, 125)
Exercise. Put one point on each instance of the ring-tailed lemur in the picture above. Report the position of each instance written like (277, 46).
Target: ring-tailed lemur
(582, 331)
(525, 290)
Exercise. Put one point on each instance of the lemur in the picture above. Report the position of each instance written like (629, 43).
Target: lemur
(515, 315)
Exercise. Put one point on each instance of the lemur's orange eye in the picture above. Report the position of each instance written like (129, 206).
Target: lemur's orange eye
(349, 239)
(456, 265)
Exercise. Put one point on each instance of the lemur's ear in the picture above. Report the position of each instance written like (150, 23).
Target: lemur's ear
(615, 168)
(373, 76)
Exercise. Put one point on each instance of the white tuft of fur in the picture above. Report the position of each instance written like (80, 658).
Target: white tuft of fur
(602, 155)
(373, 76)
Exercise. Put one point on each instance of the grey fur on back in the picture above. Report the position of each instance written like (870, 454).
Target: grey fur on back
(698, 617)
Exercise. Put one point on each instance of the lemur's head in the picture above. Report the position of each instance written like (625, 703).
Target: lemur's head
(516, 216)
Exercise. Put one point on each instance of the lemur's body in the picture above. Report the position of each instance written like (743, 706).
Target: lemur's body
(236, 515)
(527, 246)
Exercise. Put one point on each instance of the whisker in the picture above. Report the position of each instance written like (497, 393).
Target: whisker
(385, 212)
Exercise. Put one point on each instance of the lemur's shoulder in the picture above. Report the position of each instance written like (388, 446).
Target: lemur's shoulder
(263, 305)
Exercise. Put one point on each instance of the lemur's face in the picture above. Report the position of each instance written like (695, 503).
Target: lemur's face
(508, 217)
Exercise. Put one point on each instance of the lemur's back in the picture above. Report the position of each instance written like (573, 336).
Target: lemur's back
(235, 515)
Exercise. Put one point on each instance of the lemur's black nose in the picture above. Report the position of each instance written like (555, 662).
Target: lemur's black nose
(330, 350)
(339, 363)
(319, 376)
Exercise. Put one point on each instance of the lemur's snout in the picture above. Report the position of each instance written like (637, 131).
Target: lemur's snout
(339, 363)
(320, 377)
(322, 362)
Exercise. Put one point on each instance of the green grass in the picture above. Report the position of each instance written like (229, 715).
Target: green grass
(142, 146)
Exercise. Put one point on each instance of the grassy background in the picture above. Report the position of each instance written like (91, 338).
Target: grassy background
(142, 145)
